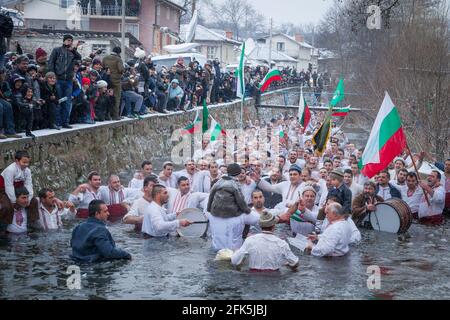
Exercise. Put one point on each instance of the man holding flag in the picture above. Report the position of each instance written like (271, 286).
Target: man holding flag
(321, 137)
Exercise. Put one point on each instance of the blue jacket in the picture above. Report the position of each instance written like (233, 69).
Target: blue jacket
(91, 242)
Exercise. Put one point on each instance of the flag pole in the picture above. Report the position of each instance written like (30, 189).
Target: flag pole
(418, 175)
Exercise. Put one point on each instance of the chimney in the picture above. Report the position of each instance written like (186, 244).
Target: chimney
(229, 34)
(299, 38)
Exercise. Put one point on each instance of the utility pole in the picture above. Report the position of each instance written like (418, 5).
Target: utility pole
(270, 46)
(123, 31)
(194, 6)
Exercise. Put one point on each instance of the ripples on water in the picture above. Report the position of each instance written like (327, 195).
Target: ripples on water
(34, 267)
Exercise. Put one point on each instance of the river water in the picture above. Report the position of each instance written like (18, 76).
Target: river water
(35, 266)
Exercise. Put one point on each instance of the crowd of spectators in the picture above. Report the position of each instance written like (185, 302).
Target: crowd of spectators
(55, 90)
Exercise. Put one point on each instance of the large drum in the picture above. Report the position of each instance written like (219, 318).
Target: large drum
(393, 216)
(200, 223)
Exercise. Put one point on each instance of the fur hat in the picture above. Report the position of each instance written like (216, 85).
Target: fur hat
(40, 53)
(234, 170)
(267, 220)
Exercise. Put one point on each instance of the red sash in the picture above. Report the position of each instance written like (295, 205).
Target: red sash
(82, 213)
(435, 220)
(116, 211)
(17, 184)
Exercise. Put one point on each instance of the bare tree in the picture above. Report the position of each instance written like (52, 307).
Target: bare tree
(409, 57)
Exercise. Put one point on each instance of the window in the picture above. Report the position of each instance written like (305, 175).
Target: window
(132, 28)
(280, 46)
(65, 3)
(97, 46)
(211, 53)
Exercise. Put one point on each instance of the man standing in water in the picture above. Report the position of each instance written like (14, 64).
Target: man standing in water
(266, 252)
(85, 193)
(91, 241)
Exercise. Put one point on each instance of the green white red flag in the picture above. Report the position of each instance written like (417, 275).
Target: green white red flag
(193, 127)
(387, 140)
(216, 130)
(343, 112)
(271, 76)
(240, 92)
(304, 114)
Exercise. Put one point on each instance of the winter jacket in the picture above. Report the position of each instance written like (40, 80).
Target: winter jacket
(395, 193)
(61, 62)
(114, 63)
(226, 199)
(91, 242)
(344, 195)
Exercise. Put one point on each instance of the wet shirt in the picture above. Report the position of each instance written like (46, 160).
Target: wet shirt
(157, 222)
(334, 240)
(265, 251)
(19, 222)
(437, 202)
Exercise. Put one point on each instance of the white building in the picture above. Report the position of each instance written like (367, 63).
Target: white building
(214, 43)
(294, 47)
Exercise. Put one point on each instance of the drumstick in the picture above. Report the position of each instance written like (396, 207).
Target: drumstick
(199, 222)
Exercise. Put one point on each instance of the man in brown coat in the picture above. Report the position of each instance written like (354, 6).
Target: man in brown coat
(365, 203)
(114, 63)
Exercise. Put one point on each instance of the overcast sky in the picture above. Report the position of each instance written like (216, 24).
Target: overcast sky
(295, 11)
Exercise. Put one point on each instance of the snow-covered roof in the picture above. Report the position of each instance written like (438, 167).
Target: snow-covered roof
(303, 44)
(326, 54)
(204, 34)
(261, 52)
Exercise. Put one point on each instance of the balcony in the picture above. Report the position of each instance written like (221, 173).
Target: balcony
(113, 11)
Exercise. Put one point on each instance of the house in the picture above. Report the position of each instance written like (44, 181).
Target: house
(294, 47)
(155, 23)
(215, 44)
(31, 39)
(258, 53)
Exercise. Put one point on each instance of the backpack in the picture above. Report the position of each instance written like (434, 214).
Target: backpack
(6, 25)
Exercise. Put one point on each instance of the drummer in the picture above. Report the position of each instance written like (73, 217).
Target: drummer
(182, 198)
(157, 221)
(364, 204)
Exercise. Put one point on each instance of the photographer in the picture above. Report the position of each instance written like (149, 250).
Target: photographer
(61, 62)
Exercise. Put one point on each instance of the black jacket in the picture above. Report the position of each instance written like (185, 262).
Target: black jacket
(395, 193)
(344, 194)
(61, 62)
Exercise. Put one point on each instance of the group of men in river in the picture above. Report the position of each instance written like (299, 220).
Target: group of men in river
(323, 198)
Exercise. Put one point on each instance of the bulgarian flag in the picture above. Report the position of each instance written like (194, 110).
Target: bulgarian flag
(194, 126)
(343, 112)
(304, 114)
(216, 130)
(387, 140)
(271, 76)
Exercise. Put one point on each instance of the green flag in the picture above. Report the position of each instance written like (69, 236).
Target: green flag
(205, 117)
(338, 94)
(240, 92)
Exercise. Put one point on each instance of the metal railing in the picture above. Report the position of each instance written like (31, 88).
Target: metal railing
(111, 11)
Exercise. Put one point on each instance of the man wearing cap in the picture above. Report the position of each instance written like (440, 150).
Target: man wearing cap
(340, 190)
(289, 190)
(266, 252)
(228, 212)
(335, 239)
(305, 217)
(114, 63)
(41, 60)
(365, 203)
(61, 62)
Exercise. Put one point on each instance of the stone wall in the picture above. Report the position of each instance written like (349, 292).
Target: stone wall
(63, 159)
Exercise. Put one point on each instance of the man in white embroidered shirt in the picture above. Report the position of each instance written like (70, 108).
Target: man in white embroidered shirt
(157, 222)
(336, 237)
(50, 216)
(267, 252)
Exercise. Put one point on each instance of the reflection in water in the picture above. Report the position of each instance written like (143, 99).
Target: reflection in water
(34, 267)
